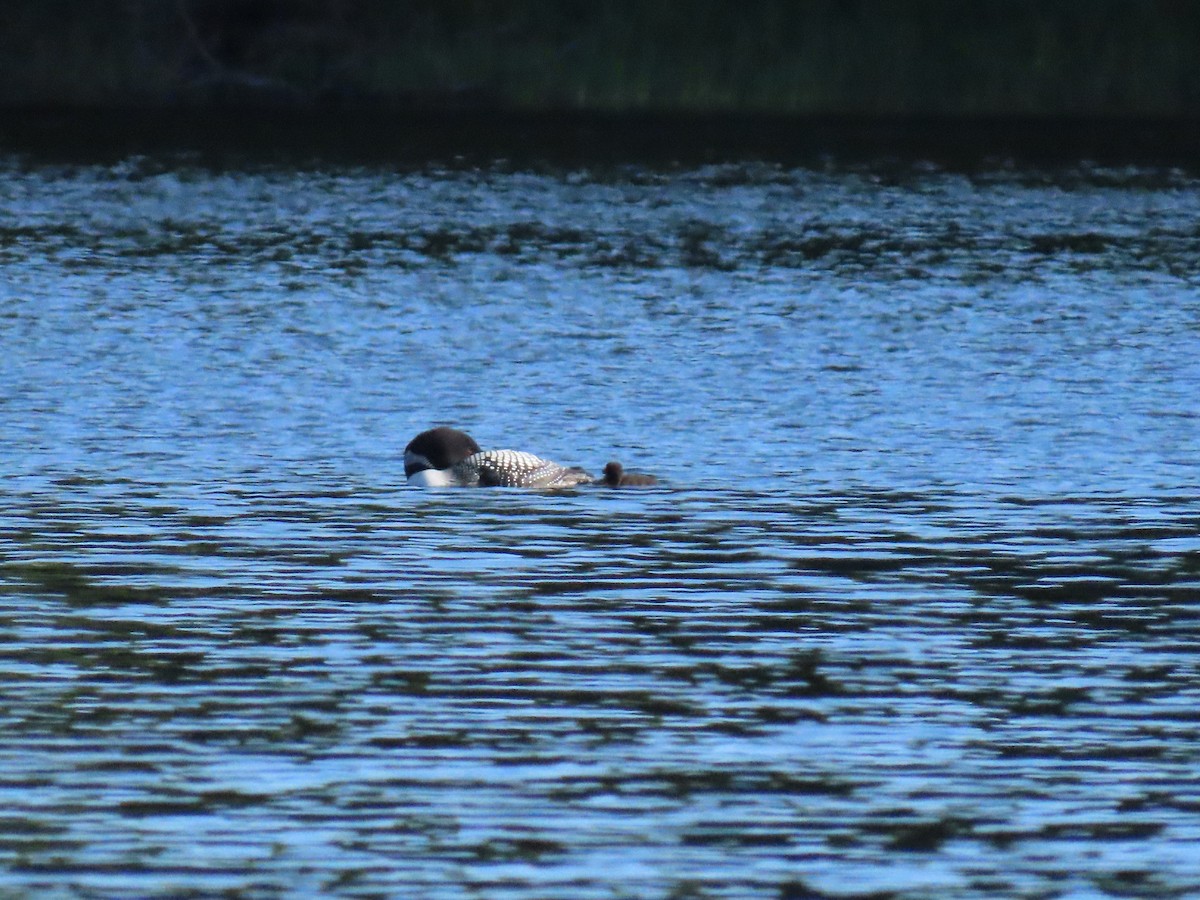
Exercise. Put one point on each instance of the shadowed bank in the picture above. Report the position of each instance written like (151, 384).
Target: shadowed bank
(1111, 80)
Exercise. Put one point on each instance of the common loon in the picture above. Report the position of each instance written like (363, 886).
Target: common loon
(616, 476)
(446, 457)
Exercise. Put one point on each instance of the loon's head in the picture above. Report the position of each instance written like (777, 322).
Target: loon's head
(430, 455)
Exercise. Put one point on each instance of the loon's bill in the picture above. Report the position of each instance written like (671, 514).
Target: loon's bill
(447, 457)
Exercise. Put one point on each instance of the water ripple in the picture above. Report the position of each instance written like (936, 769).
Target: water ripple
(913, 613)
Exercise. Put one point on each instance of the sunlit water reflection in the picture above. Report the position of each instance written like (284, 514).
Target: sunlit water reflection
(914, 611)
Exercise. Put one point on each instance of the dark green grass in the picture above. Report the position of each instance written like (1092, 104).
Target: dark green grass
(870, 57)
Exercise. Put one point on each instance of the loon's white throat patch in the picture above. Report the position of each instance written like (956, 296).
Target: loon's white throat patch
(432, 478)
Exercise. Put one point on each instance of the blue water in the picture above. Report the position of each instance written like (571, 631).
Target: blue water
(915, 609)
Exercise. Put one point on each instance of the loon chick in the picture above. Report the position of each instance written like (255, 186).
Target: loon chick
(616, 476)
(445, 457)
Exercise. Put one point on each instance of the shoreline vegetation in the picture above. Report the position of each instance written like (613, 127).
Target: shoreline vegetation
(470, 137)
(1107, 79)
(779, 57)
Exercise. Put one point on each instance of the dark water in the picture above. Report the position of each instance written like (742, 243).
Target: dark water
(915, 613)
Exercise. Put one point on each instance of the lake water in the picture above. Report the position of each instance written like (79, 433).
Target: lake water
(915, 611)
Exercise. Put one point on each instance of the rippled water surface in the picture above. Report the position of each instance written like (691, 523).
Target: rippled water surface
(915, 611)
